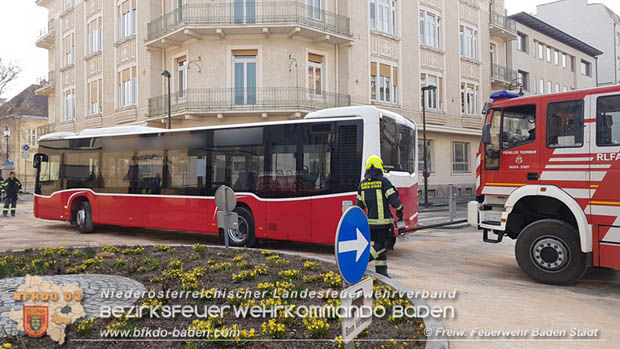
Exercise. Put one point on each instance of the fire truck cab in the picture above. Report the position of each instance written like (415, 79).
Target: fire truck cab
(548, 175)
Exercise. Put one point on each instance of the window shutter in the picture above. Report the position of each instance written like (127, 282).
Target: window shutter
(373, 68)
(385, 70)
(315, 58)
(125, 75)
(245, 52)
(125, 7)
(395, 79)
(133, 72)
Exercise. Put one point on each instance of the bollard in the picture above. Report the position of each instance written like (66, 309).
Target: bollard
(452, 202)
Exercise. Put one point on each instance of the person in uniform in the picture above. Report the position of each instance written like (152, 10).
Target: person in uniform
(376, 194)
(12, 186)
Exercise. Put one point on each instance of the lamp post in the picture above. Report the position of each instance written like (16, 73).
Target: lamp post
(7, 134)
(167, 75)
(425, 173)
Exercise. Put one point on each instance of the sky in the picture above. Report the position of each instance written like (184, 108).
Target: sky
(21, 22)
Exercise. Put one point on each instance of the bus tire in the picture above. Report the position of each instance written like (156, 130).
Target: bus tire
(549, 252)
(84, 218)
(245, 235)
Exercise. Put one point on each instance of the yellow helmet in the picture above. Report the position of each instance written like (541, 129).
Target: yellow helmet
(376, 162)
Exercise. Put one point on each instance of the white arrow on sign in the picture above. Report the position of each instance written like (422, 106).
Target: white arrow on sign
(359, 245)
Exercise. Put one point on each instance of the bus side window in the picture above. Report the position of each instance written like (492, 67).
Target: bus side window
(608, 121)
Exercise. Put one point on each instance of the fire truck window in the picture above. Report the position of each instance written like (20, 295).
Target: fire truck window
(519, 126)
(565, 124)
(491, 151)
(608, 121)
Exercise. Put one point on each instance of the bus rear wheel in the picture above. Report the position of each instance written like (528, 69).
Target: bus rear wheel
(84, 218)
(549, 252)
(244, 236)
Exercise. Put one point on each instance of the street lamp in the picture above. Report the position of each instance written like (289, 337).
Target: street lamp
(425, 173)
(7, 134)
(167, 75)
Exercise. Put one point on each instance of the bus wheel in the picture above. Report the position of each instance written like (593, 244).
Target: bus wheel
(84, 218)
(244, 236)
(549, 252)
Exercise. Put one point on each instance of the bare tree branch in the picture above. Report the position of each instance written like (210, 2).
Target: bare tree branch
(8, 73)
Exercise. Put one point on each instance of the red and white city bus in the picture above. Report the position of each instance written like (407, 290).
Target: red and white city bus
(293, 179)
(548, 171)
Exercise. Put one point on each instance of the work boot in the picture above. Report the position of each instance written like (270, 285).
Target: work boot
(382, 270)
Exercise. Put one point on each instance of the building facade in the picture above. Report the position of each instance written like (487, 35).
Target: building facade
(548, 60)
(246, 61)
(601, 30)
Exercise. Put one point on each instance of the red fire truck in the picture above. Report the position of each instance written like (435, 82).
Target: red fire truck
(548, 170)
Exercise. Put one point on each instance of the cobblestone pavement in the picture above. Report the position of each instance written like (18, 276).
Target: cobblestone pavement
(493, 293)
(92, 285)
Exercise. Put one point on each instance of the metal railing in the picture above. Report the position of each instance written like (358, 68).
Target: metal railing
(50, 80)
(502, 73)
(47, 30)
(45, 129)
(499, 20)
(201, 100)
(263, 13)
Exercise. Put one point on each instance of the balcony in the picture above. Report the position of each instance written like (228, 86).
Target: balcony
(501, 77)
(47, 37)
(48, 86)
(291, 17)
(43, 3)
(502, 27)
(45, 129)
(217, 101)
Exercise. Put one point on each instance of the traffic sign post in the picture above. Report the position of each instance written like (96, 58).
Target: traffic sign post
(352, 249)
(226, 201)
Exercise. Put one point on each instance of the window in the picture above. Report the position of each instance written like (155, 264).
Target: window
(244, 76)
(460, 157)
(94, 97)
(383, 16)
(315, 73)
(549, 86)
(492, 150)
(564, 88)
(430, 29)
(468, 42)
(127, 88)
(564, 60)
(32, 137)
(586, 68)
(69, 4)
(68, 46)
(127, 19)
(572, 64)
(556, 57)
(94, 36)
(557, 88)
(518, 126)
(608, 121)
(314, 9)
(565, 124)
(548, 54)
(383, 82)
(429, 155)
(469, 98)
(397, 145)
(433, 98)
(541, 86)
(540, 51)
(69, 105)
(522, 42)
(524, 78)
(181, 64)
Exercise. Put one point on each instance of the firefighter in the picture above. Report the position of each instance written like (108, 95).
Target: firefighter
(12, 186)
(376, 194)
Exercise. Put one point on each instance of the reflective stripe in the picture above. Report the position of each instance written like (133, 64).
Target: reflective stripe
(13, 209)
(380, 264)
(363, 199)
(381, 251)
(359, 197)
(389, 192)
(399, 207)
(380, 221)
(373, 253)
(380, 214)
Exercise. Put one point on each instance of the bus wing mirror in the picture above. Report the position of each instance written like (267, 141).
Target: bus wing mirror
(38, 159)
(486, 134)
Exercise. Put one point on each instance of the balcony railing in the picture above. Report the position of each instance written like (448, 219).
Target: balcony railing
(501, 21)
(46, 35)
(214, 100)
(45, 129)
(263, 13)
(503, 74)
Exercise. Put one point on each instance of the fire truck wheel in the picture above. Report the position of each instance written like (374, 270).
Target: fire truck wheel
(244, 236)
(549, 252)
(84, 218)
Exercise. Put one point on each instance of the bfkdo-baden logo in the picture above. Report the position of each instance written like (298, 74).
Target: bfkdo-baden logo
(47, 307)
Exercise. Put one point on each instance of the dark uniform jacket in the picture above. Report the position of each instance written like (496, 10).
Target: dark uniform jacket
(11, 186)
(376, 194)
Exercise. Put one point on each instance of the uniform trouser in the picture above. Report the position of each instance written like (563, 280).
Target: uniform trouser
(11, 200)
(378, 252)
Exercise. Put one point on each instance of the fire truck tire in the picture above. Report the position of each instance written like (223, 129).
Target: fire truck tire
(549, 252)
(245, 235)
(84, 218)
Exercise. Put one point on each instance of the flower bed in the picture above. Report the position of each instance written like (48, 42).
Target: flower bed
(281, 279)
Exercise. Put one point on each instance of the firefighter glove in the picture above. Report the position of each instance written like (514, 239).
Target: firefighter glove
(399, 214)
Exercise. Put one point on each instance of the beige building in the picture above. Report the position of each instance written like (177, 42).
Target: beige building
(233, 61)
(20, 117)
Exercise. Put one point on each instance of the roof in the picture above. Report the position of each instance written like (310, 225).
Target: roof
(543, 27)
(25, 103)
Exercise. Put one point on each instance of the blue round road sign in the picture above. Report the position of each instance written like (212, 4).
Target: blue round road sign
(352, 244)
(26, 147)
